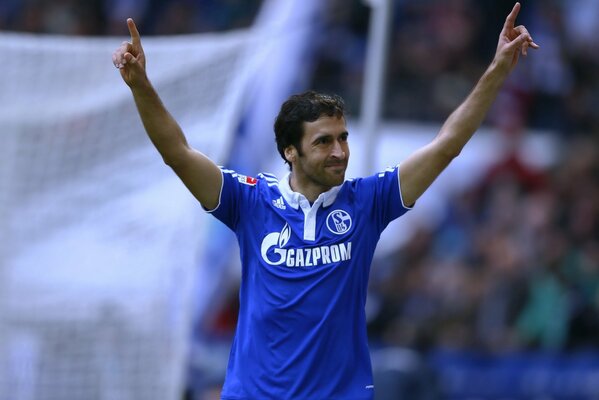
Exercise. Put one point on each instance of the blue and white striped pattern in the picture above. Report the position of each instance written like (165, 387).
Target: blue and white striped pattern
(389, 169)
(270, 179)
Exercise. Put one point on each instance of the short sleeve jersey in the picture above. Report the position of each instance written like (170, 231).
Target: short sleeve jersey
(301, 331)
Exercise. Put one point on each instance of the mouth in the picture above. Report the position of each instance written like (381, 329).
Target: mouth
(337, 167)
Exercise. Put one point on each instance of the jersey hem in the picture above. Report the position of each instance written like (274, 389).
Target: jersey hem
(368, 397)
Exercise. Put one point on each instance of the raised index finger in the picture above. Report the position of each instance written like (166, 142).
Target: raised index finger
(510, 21)
(135, 38)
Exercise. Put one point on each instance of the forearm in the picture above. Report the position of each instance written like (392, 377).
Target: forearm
(467, 118)
(162, 129)
(420, 169)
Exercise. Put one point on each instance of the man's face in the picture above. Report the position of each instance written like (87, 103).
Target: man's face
(325, 153)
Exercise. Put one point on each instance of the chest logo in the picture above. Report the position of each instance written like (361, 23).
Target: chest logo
(274, 251)
(339, 222)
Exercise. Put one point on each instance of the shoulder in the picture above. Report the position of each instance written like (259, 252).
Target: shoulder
(268, 186)
(389, 174)
(268, 179)
(232, 177)
(263, 185)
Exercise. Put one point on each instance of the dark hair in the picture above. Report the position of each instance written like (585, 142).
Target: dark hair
(300, 108)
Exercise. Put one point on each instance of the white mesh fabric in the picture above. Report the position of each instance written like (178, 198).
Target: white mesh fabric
(98, 238)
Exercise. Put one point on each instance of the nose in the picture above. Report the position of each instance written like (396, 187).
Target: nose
(338, 151)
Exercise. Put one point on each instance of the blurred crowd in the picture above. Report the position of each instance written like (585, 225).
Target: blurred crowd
(439, 48)
(107, 17)
(514, 263)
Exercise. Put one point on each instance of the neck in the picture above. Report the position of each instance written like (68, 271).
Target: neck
(309, 189)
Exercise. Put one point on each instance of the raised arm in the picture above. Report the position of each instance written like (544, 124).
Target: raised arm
(201, 176)
(421, 168)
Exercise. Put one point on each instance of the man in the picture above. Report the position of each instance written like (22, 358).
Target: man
(307, 240)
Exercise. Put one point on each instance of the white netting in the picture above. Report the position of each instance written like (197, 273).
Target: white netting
(98, 237)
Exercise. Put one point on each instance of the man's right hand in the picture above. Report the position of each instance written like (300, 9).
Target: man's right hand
(129, 58)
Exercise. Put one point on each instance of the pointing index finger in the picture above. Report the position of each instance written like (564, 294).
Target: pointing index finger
(510, 21)
(135, 38)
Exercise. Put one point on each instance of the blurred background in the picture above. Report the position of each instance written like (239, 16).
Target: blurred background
(488, 289)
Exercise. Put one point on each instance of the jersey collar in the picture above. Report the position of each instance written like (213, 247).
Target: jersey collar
(295, 199)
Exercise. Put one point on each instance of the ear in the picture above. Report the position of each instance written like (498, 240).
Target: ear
(291, 154)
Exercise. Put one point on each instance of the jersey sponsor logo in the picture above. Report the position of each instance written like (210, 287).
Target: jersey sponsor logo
(247, 180)
(339, 222)
(300, 257)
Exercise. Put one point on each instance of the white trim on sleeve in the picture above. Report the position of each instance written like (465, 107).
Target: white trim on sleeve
(400, 195)
(222, 185)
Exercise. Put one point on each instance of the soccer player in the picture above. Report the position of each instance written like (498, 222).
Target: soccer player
(307, 240)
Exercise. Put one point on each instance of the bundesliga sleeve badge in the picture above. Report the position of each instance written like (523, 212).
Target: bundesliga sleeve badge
(247, 180)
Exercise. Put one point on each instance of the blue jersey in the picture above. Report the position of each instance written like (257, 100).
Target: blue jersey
(301, 332)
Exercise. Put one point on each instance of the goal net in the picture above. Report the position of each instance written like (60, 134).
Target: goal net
(98, 238)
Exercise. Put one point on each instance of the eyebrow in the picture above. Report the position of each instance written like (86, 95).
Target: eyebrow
(327, 135)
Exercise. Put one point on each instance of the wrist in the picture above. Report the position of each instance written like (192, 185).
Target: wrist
(141, 86)
(496, 73)
(498, 69)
